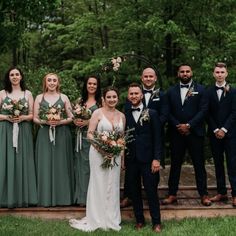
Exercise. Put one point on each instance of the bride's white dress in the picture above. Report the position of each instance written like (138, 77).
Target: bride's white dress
(103, 197)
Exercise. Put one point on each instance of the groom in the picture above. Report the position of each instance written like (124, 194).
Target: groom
(143, 157)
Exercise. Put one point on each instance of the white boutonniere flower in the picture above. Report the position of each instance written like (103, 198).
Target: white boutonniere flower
(155, 94)
(144, 117)
(226, 89)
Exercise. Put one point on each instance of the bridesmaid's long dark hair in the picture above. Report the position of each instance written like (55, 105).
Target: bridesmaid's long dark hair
(84, 94)
(7, 83)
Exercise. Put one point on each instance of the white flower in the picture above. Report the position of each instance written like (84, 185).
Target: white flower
(16, 113)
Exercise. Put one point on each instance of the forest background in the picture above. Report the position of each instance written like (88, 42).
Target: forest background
(77, 38)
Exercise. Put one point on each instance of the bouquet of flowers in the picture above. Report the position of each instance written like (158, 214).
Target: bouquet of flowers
(110, 144)
(15, 107)
(51, 113)
(81, 112)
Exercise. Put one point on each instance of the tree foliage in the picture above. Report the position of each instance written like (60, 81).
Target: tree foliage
(76, 38)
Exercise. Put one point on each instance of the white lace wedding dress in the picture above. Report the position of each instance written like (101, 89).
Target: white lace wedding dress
(103, 197)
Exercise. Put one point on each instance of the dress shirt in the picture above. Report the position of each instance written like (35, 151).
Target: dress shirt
(136, 114)
(147, 94)
(184, 90)
(219, 90)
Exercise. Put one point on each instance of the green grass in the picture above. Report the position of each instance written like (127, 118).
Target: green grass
(223, 226)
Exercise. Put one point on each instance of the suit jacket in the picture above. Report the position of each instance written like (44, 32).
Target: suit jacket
(193, 110)
(146, 145)
(222, 113)
(157, 102)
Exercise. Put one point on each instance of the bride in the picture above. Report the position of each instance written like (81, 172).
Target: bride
(103, 207)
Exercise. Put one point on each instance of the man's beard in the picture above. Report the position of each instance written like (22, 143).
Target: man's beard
(185, 80)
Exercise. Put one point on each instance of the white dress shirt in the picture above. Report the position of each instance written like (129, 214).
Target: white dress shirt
(136, 114)
(183, 91)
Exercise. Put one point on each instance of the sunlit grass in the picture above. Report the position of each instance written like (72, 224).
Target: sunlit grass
(223, 226)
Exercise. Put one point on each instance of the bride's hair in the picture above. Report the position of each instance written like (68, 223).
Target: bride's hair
(110, 88)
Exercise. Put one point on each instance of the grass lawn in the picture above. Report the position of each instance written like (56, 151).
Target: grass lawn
(223, 226)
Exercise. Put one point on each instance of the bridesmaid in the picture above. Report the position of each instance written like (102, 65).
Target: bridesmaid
(54, 149)
(17, 168)
(91, 99)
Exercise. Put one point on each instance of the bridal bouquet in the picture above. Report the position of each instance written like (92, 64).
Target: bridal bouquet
(81, 112)
(110, 144)
(15, 107)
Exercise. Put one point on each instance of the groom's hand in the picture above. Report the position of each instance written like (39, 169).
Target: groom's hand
(155, 166)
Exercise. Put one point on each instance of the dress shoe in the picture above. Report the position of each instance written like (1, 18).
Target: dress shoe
(139, 226)
(126, 202)
(205, 200)
(219, 198)
(156, 228)
(234, 201)
(169, 200)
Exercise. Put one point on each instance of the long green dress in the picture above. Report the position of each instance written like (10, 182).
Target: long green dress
(17, 167)
(82, 169)
(54, 164)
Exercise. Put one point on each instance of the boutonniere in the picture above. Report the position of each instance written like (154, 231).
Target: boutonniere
(191, 92)
(226, 89)
(144, 117)
(155, 93)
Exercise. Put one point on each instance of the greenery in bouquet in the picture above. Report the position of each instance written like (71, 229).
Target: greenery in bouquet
(15, 108)
(110, 144)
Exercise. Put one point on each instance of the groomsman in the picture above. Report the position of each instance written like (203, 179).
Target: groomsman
(142, 159)
(155, 99)
(187, 111)
(222, 130)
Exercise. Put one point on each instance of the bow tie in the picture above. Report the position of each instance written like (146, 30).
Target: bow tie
(217, 88)
(184, 86)
(147, 91)
(135, 109)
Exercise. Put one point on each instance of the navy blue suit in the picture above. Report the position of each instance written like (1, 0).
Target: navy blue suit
(157, 102)
(193, 111)
(145, 147)
(222, 114)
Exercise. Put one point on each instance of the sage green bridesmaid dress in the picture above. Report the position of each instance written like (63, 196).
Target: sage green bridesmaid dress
(54, 164)
(82, 169)
(17, 166)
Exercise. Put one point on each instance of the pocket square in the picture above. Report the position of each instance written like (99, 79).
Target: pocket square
(194, 93)
(156, 99)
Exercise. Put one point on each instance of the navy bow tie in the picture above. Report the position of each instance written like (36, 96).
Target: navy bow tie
(184, 86)
(147, 91)
(217, 88)
(135, 109)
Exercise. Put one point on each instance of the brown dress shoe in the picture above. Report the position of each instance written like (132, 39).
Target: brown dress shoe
(139, 226)
(205, 200)
(126, 202)
(219, 198)
(156, 228)
(169, 200)
(234, 201)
